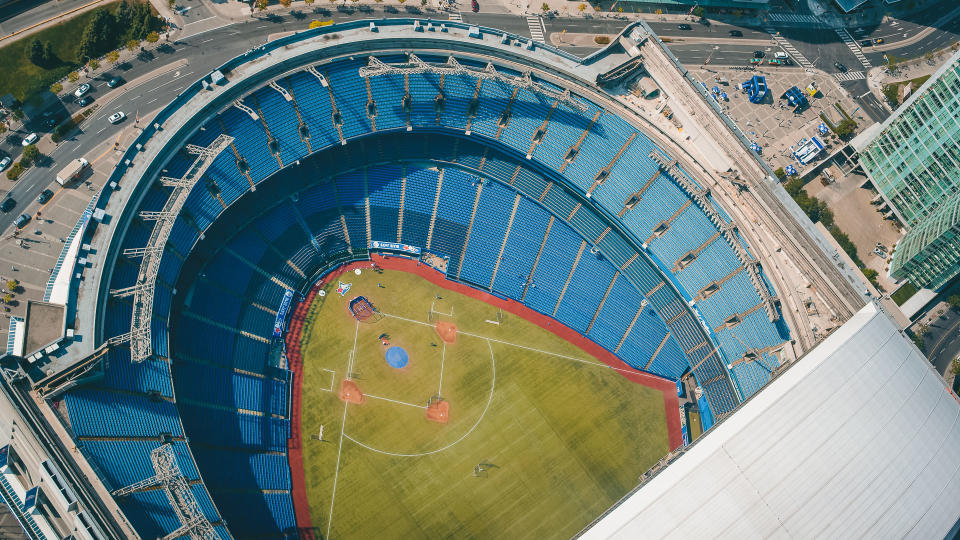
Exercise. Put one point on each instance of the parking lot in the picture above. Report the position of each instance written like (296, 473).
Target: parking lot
(772, 124)
(29, 254)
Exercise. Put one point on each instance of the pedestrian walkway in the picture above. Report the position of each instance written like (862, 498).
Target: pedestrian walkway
(793, 18)
(854, 47)
(536, 27)
(455, 17)
(850, 76)
(789, 48)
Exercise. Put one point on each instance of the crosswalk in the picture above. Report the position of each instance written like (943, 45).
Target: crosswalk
(536, 27)
(850, 76)
(854, 47)
(793, 18)
(455, 17)
(789, 48)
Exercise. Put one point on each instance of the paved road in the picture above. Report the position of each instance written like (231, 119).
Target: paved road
(20, 14)
(215, 44)
(943, 340)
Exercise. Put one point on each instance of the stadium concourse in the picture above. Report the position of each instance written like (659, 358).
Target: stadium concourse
(165, 408)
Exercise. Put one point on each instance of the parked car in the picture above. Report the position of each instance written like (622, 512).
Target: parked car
(775, 62)
(475, 6)
(878, 41)
(29, 139)
(736, 33)
(841, 67)
(683, 27)
(81, 90)
(4, 163)
(866, 43)
(21, 221)
(758, 54)
(84, 101)
(45, 196)
(8, 205)
(117, 81)
(116, 117)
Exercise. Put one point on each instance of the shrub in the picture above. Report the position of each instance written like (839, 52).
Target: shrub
(601, 40)
(153, 37)
(14, 171)
(56, 88)
(133, 44)
(73, 76)
(60, 132)
(545, 7)
(113, 56)
(13, 284)
(94, 64)
(286, 3)
(262, 4)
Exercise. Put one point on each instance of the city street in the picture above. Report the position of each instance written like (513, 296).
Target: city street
(206, 41)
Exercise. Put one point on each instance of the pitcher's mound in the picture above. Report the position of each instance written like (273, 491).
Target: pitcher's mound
(350, 392)
(447, 331)
(439, 411)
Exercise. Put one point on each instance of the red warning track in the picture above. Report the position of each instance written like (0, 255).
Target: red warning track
(301, 507)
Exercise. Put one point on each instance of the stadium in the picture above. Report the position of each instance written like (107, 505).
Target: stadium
(294, 253)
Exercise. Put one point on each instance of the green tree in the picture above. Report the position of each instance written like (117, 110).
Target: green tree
(954, 301)
(780, 173)
(12, 284)
(845, 128)
(29, 155)
(262, 4)
(73, 76)
(99, 35)
(545, 7)
(56, 88)
(94, 64)
(113, 56)
(7, 298)
(153, 37)
(698, 11)
(132, 44)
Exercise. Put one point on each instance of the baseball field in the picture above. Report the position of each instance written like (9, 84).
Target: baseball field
(492, 427)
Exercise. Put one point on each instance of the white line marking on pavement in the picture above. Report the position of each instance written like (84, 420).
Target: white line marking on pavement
(200, 21)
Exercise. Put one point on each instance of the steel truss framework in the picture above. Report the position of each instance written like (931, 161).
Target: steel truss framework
(141, 347)
(169, 478)
(416, 66)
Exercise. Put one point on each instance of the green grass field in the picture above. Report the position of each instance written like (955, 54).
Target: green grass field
(559, 436)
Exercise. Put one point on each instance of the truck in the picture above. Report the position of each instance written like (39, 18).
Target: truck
(72, 171)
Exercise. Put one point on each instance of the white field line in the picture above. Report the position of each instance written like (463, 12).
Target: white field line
(396, 401)
(343, 429)
(336, 472)
(443, 357)
(493, 385)
(517, 345)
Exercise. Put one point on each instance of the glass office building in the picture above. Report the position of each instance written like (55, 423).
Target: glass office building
(914, 162)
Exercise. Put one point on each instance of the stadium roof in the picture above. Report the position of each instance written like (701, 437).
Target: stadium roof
(859, 438)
